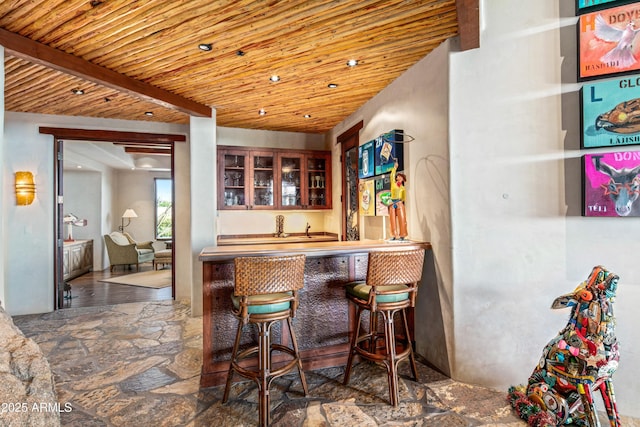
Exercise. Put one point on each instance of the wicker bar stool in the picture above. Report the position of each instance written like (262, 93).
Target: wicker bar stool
(266, 292)
(391, 287)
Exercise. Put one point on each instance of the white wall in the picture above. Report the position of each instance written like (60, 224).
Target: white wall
(511, 178)
(418, 103)
(518, 238)
(28, 230)
(83, 197)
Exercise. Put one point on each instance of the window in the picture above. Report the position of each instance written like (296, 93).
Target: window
(164, 201)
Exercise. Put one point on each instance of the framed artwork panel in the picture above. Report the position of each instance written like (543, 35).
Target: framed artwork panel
(583, 6)
(610, 113)
(607, 42)
(611, 184)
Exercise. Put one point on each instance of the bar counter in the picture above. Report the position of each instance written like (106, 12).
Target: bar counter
(324, 320)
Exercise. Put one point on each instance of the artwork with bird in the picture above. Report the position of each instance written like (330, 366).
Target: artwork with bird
(621, 55)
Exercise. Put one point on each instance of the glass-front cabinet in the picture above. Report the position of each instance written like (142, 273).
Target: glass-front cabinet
(233, 165)
(262, 194)
(318, 181)
(291, 180)
(273, 179)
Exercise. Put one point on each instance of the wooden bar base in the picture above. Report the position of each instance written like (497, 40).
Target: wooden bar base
(324, 321)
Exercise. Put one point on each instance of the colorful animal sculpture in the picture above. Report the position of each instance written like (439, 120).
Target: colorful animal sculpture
(623, 187)
(581, 359)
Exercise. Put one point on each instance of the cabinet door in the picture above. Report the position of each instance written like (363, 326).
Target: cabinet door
(233, 177)
(264, 193)
(290, 168)
(318, 181)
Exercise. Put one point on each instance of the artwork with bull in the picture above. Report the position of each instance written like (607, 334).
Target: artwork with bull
(612, 184)
(577, 362)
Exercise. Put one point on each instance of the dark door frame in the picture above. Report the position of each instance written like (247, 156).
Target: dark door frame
(347, 140)
(131, 138)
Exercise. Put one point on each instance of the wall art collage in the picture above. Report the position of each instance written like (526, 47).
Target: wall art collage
(609, 66)
(375, 161)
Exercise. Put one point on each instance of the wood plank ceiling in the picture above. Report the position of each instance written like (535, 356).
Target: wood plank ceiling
(136, 57)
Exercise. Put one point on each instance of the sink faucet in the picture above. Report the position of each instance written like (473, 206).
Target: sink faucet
(308, 227)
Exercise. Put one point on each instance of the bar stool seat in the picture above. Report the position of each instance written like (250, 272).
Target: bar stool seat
(391, 287)
(266, 292)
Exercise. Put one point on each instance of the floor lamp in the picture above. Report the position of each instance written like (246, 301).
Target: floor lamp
(128, 214)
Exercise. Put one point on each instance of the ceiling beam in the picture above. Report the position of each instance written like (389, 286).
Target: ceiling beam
(468, 23)
(147, 150)
(32, 51)
(111, 136)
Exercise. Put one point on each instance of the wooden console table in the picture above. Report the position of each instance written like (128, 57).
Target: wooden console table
(77, 258)
(324, 319)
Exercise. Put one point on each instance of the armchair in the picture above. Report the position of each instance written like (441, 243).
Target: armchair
(123, 250)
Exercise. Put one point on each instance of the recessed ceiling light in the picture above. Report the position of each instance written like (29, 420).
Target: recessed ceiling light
(148, 113)
(307, 116)
(262, 112)
(205, 47)
(352, 62)
(77, 91)
(79, 166)
(275, 78)
(332, 85)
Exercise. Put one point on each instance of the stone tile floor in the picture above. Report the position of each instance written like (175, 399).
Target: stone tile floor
(138, 364)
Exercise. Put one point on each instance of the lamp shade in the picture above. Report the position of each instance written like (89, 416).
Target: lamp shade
(25, 188)
(129, 213)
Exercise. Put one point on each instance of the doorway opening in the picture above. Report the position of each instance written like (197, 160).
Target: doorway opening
(349, 141)
(119, 283)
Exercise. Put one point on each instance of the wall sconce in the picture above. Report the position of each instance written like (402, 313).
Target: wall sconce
(128, 214)
(25, 188)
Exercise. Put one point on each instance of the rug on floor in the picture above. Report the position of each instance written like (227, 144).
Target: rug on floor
(149, 279)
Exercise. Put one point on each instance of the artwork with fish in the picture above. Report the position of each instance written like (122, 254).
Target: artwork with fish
(611, 184)
(611, 113)
(607, 41)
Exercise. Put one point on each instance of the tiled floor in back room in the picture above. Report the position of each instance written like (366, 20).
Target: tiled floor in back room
(138, 364)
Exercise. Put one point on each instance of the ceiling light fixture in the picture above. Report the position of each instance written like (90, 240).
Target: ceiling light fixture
(77, 91)
(206, 47)
(352, 62)
(307, 116)
(262, 112)
(275, 78)
(332, 85)
(148, 113)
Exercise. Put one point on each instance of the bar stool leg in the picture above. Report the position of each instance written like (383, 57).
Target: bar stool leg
(236, 344)
(294, 343)
(264, 367)
(352, 350)
(412, 359)
(392, 369)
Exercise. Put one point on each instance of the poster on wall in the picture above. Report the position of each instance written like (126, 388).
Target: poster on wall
(611, 184)
(608, 42)
(365, 160)
(611, 113)
(583, 6)
(388, 148)
(366, 193)
(383, 194)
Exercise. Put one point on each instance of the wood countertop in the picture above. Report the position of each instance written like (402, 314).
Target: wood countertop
(311, 249)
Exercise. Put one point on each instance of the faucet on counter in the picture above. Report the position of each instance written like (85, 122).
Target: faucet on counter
(307, 231)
